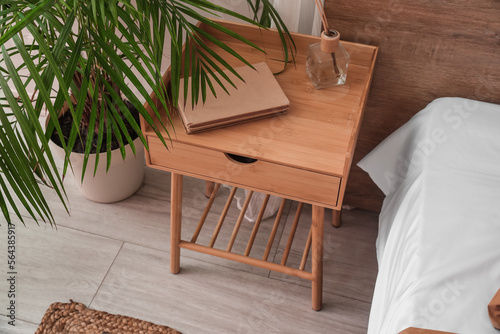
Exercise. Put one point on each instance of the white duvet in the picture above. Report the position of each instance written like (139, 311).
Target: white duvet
(439, 232)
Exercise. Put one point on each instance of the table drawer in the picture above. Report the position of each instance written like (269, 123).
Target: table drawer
(293, 183)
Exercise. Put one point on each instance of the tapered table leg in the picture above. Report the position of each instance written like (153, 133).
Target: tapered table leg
(337, 218)
(175, 222)
(318, 222)
(209, 188)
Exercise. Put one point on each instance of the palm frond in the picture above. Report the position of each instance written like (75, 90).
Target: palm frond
(88, 57)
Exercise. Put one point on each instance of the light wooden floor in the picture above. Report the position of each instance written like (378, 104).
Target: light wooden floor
(115, 258)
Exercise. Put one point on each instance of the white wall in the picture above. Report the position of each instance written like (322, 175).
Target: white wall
(299, 15)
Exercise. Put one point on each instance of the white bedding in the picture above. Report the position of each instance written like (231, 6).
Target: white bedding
(438, 247)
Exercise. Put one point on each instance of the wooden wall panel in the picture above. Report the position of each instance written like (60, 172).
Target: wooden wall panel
(428, 49)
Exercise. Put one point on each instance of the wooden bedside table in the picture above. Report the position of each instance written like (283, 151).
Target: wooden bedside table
(304, 155)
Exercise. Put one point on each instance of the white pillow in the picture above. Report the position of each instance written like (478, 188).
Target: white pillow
(443, 126)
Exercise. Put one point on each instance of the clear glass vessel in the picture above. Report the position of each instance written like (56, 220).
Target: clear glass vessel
(327, 61)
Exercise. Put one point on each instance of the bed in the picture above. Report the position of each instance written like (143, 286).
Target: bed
(429, 50)
(438, 246)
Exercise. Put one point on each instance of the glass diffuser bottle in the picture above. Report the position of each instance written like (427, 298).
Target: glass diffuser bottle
(327, 61)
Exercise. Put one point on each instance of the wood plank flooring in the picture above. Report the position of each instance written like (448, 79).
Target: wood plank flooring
(115, 258)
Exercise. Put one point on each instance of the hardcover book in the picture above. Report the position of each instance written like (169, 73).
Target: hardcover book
(258, 96)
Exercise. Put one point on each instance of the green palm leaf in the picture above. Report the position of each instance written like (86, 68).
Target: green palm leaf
(85, 56)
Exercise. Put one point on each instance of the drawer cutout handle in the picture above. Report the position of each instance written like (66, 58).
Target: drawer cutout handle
(240, 159)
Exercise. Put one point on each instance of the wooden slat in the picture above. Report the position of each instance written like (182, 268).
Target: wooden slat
(306, 250)
(257, 224)
(205, 213)
(222, 217)
(292, 233)
(239, 221)
(248, 260)
(274, 230)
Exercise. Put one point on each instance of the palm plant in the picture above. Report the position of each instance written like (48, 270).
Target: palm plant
(84, 55)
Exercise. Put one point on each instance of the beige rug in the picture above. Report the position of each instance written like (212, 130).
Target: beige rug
(73, 317)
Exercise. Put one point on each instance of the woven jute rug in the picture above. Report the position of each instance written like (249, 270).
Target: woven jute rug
(74, 317)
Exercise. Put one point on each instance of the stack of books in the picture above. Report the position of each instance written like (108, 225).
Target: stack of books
(259, 96)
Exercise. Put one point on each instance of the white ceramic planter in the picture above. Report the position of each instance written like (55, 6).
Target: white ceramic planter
(122, 180)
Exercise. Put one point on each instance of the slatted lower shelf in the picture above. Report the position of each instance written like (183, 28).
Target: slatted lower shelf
(245, 257)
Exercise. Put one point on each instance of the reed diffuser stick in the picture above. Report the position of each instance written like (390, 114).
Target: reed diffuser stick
(327, 59)
(321, 10)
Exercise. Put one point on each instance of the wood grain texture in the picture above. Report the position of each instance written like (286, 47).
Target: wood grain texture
(79, 262)
(216, 299)
(318, 134)
(317, 231)
(175, 222)
(53, 265)
(263, 176)
(427, 49)
(350, 264)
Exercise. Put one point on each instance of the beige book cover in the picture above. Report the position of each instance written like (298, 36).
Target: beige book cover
(259, 96)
